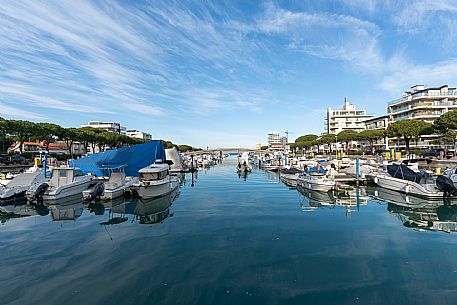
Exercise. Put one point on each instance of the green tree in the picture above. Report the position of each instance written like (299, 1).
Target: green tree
(306, 138)
(328, 139)
(446, 124)
(69, 136)
(47, 133)
(408, 129)
(371, 136)
(447, 121)
(347, 136)
(21, 131)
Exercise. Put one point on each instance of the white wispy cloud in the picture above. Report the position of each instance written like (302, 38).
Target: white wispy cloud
(9, 112)
(108, 53)
(325, 35)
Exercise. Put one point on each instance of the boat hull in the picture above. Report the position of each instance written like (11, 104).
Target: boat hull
(316, 184)
(407, 187)
(67, 190)
(158, 190)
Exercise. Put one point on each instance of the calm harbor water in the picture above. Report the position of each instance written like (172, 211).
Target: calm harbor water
(230, 240)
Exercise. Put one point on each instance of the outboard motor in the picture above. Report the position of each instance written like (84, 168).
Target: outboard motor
(97, 191)
(446, 185)
(39, 192)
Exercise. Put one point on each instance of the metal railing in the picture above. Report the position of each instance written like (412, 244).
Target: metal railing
(420, 94)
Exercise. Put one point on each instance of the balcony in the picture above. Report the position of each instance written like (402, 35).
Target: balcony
(424, 94)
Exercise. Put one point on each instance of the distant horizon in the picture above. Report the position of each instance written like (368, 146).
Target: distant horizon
(218, 73)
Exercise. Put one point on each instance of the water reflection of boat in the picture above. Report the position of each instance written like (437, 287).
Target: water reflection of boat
(66, 212)
(317, 199)
(434, 217)
(351, 197)
(8, 212)
(419, 213)
(401, 199)
(147, 211)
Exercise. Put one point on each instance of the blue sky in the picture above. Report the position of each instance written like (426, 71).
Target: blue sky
(218, 73)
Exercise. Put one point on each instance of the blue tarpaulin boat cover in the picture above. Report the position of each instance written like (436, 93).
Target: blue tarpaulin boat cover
(132, 158)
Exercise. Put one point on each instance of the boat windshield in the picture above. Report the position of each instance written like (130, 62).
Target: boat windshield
(154, 176)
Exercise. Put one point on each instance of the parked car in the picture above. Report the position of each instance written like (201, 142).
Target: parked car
(432, 153)
(14, 159)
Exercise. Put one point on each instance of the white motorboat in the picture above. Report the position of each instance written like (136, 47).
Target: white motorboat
(155, 181)
(116, 186)
(22, 183)
(178, 165)
(243, 168)
(66, 182)
(290, 176)
(400, 178)
(316, 179)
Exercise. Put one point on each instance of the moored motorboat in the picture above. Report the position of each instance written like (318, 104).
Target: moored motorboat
(290, 176)
(117, 185)
(155, 181)
(316, 179)
(22, 183)
(400, 178)
(66, 182)
(243, 168)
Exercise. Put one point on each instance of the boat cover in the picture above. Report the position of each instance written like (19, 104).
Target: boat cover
(403, 172)
(317, 169)
(132, 158)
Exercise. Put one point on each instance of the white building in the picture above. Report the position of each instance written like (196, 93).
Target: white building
(348, 117)
(421, 103)
(139, 134)
(108, 126)
(276, 141)
(379, 123)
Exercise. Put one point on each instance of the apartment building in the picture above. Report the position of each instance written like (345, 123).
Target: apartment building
(139, 134)
(345, 118)
(108, 126)
(423, 103)
(276, 141)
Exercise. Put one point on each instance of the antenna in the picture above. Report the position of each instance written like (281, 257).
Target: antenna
(287, 132)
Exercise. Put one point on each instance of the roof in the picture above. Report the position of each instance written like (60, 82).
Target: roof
(57, 146)
(154, 168)
(377, 118)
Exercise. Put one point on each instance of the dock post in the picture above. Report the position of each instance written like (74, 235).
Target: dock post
(45, 164)
(357, 170)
